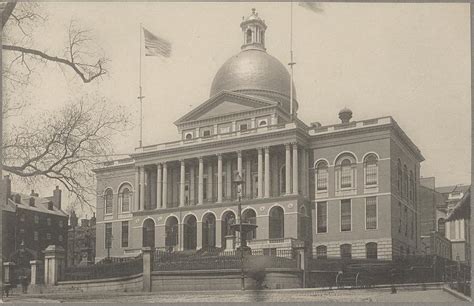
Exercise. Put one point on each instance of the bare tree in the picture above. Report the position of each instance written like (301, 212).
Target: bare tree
(76, 57)
(64, 146)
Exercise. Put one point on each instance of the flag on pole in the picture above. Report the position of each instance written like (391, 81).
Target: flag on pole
(315, 7)
(155, 46)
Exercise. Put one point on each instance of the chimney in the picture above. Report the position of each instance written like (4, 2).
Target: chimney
(85, 223)
(34, 194)
(316, 125)
(32, 201)
(57, 197)
(73, 219)
(93, 220)
(6, 187)
(345, 115)
(17, 198)
(50, 205)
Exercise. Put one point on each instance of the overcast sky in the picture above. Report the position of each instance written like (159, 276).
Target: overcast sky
(410, 61)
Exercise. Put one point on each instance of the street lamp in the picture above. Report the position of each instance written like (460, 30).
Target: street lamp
(238, 182)
(243, 229)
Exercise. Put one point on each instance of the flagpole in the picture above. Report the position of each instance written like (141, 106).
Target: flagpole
(291, 63)
(140, 97)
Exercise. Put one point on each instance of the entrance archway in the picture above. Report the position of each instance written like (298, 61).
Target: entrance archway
(171, 232)
(149, 233)
(227, 220)
(190, 233)
(209, 231)
(249, 216)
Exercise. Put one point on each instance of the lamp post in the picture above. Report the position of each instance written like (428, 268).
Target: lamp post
(238, 182)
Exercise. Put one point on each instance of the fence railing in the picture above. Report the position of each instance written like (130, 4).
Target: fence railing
(218, 259)
(458, 277)
(105, 269)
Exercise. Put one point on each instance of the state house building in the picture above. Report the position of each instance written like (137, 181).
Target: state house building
(348, 189)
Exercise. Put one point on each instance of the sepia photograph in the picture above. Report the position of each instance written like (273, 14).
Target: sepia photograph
(222, 152)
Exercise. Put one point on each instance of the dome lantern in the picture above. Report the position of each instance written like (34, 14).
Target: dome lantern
(253, 30)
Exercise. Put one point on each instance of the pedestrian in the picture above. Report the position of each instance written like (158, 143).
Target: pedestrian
(24, 283)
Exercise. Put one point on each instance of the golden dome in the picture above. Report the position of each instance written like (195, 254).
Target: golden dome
(255, 72)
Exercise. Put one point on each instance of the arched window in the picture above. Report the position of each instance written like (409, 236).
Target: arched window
(442, 226)
(371, 170)
(108, 201)
(188, 136)
(209, 231)
(303, 223)
(412, 186)
(399, 176)
(149, 233)
(346, 171)
(371, 250)
(322, 252)
(321, 176)
(249, 36)
(125, 198)
(277, 223)
(346, 251)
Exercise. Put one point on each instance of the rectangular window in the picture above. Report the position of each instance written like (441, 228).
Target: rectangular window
(206, 133)
(322, 217)
(346, 222)
(48, 236)
(412, 229)
(108, 235)
(37, 219)
(371, 213)
(60, 237)
(124, 234)
(35, 236)
(48, 221)
(60, 223)
(243, 127)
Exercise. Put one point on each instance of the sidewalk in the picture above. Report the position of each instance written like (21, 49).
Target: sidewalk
(305, 295)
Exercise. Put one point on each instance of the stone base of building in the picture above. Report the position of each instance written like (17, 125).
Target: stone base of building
(384, 248)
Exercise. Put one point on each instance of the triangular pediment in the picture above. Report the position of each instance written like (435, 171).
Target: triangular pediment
(223, 104)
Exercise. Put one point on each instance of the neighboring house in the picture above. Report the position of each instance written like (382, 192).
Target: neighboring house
(350, 189)
(458, 228)
(432, 206)
(34, 223)
(81, 240)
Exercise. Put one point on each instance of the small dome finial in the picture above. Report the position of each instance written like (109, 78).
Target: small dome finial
(345, 115)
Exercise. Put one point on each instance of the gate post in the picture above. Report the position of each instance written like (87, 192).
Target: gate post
(147, 268)
(8, 272)
(34, 271)
(54, 264)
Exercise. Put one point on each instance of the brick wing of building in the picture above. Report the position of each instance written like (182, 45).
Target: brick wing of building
(32, 224)
(348, 189)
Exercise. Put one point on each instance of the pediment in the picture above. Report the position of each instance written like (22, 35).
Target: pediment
(224, 104)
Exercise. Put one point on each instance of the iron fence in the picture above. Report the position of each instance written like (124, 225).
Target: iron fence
(105, 269)
(217, 259)
(458, 277)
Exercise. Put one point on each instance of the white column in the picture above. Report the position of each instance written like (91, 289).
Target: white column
(267, 172)
(239, 162)
(209, 179)
(191, 184)
(287, 168)
(181, 183)
(461, 228)
(142, 188)
(260, 173)
(136, 193)
(219, 178)
(201, 181)
(295, 168)
(228, 178)
(159, 183)
(248, 177)
(165, 186)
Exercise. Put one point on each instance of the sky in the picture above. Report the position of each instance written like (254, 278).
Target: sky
(409, 61)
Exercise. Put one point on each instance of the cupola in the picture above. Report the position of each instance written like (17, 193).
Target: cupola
(253, 29)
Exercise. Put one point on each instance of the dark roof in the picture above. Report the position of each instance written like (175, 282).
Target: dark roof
(453, 188)
(41, 204)
(462, 210)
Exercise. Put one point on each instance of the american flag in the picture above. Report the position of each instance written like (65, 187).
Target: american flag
(155, 46)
